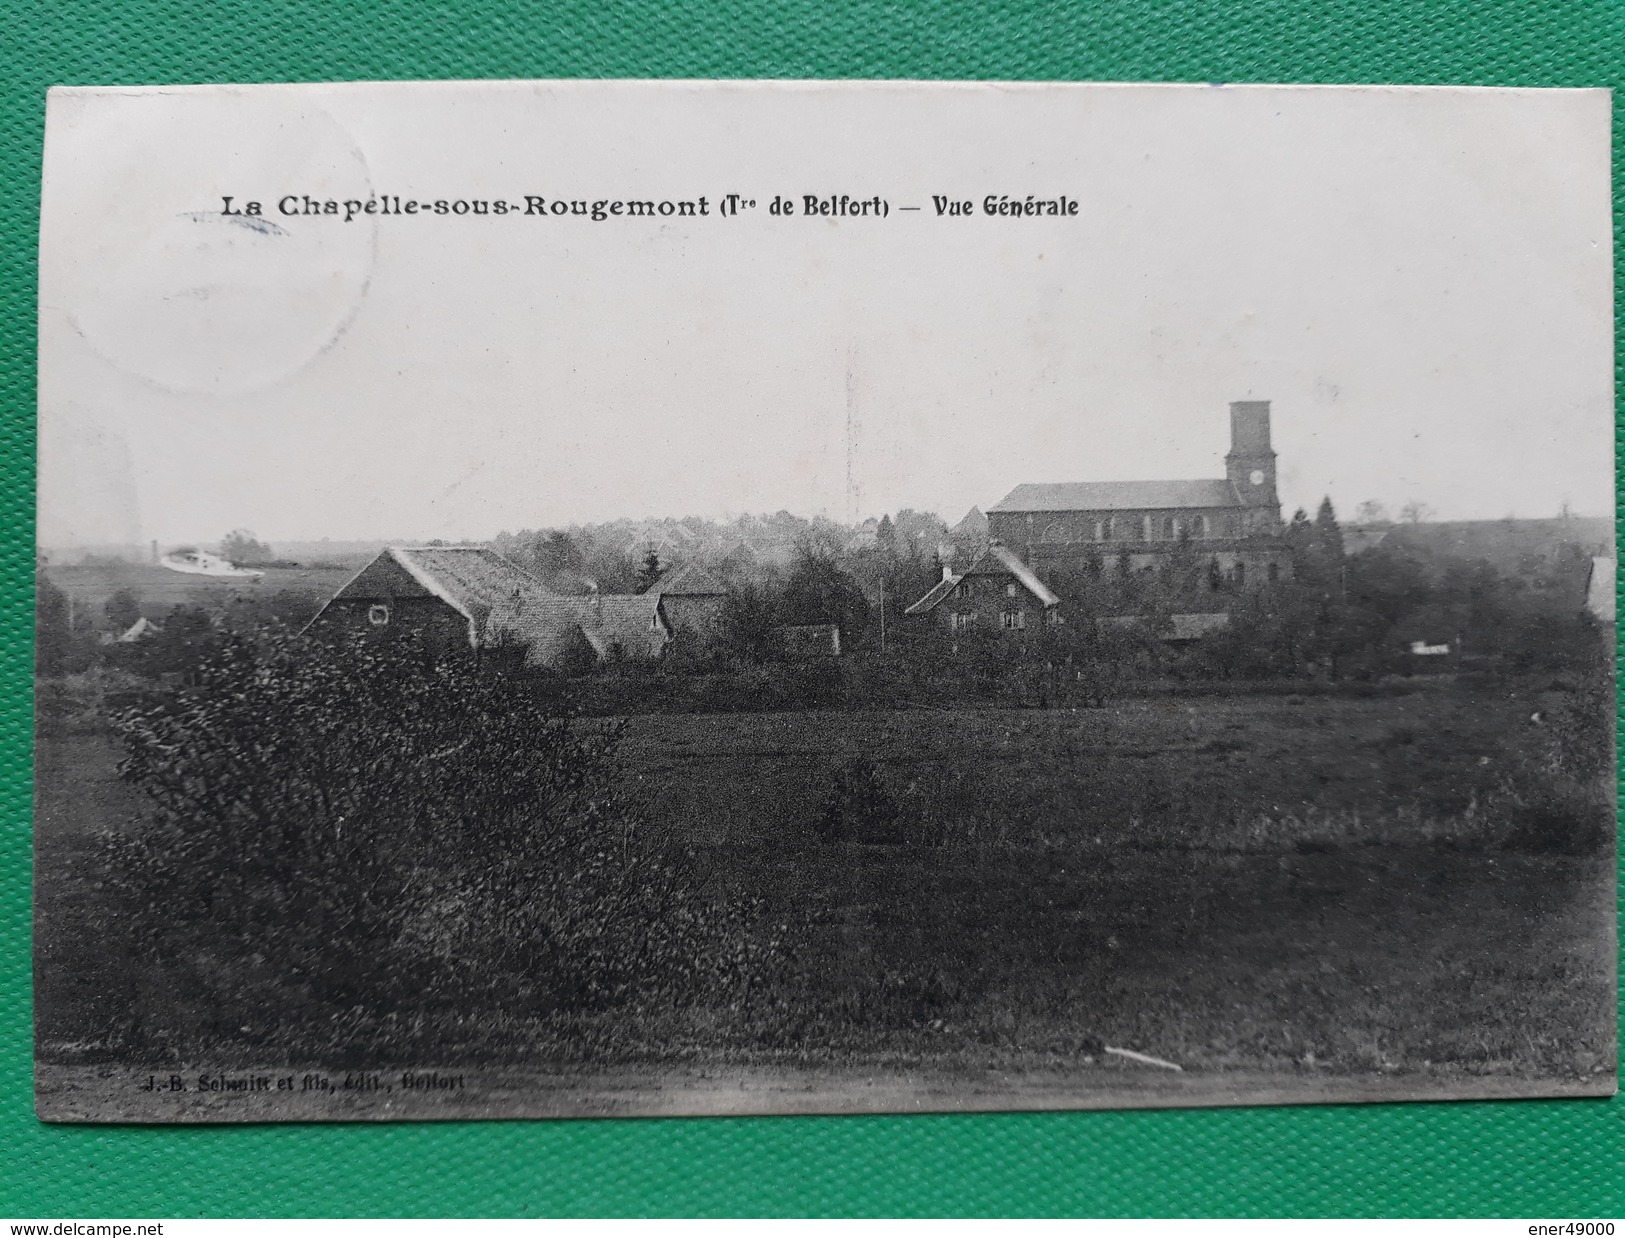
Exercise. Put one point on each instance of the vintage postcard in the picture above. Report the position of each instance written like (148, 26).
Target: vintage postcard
(596, 598)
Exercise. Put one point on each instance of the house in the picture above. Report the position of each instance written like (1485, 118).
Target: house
(997, 592)
(1600, 588)
(692, 599)
(807, 642)
(454, 597)
(142, 629)
(1235, 519)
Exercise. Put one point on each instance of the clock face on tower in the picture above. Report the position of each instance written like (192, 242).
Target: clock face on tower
(1256, 477)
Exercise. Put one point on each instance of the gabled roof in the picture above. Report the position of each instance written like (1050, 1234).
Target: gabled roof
(1096, 496)
(999, 559)
(938, 591)
(472, 580)
(466, 577)
(548, 624)
(973, 524)
(689, 580)
(500, 600)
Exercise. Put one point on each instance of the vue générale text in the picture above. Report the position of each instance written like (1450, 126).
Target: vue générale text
(602, 210)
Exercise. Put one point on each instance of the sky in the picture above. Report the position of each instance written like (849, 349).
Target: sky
(1419, 281)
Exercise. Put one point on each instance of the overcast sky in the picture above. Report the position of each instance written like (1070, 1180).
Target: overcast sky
(1419, 281)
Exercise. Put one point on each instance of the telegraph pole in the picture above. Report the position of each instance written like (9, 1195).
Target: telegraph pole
(882, 616)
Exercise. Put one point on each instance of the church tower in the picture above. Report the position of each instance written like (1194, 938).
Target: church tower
(1250, 466)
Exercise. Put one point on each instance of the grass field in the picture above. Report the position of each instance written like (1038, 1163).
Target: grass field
(1309, 887)
(160, 590)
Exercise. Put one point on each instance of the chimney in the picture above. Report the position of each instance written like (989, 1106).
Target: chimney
(1249, 427)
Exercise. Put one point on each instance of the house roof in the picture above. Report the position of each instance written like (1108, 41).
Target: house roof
(470, 579)
(548, 624)
(937, 592)
(499, 599)
(1096, 496)
(999, 558)
(972, 524)
(689, 580)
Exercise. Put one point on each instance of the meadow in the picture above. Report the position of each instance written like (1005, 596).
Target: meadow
(159, 590)
(1317, 886)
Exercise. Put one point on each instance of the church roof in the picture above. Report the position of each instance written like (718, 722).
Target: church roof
(1097, 496)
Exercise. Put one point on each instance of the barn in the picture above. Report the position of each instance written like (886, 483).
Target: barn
(692, 600)
(470, 597)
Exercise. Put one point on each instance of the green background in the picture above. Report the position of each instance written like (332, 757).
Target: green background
(1551, 1159)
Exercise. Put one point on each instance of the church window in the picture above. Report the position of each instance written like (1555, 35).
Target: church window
(1275, 571)
(378, 616)
(1145, 522)
(1053, 617)
(1204, 528)
(1010, 591)
(1057, 532)
(964, 620)
(1015, 620)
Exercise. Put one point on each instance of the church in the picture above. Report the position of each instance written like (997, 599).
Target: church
(1052, 529)
(1234, 519)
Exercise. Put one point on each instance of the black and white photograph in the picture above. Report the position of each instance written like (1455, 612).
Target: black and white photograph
(592, 599)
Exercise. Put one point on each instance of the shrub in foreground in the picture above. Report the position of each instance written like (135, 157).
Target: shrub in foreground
(361, 827)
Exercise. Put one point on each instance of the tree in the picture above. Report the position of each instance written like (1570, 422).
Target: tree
(819, 591)
(886, 535)
(1415, 512)
(122, 610)
(747, 623)
(186, 637)
(651, 570)
(241, 547)
(1328, 534)
(56, 647)
(1371, 511)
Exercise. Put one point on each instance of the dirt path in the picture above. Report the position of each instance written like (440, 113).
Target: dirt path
(117, 1094)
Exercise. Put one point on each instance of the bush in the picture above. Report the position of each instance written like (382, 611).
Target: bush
(360, 828)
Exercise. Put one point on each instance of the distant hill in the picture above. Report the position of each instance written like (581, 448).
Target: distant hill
(1552, 555)
(1507, 543)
